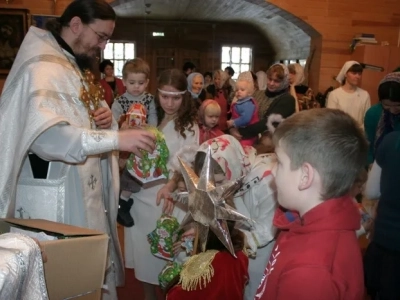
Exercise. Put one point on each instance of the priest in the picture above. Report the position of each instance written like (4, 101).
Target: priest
(58, 137)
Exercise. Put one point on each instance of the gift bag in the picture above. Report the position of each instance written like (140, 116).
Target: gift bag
(164, 236)
(151, 169)
(136, 115)
(168, 273)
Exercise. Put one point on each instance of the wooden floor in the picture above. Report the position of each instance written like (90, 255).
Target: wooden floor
(133, 289)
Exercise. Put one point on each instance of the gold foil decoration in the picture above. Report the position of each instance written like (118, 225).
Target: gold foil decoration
(91, 94)
(206, 204)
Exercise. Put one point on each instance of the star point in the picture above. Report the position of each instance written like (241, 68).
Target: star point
(206, 203)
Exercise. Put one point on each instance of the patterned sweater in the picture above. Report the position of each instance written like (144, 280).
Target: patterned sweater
(122, 104)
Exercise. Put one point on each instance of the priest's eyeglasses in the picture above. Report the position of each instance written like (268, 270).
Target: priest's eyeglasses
(100, 37)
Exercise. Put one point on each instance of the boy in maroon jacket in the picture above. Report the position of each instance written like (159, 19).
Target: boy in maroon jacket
(317, 256)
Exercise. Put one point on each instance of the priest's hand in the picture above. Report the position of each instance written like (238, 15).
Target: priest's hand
(134, 140)
(103, 117)
(165, 194)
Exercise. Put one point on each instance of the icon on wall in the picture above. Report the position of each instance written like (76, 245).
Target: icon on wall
(13, 27)
(41, 20)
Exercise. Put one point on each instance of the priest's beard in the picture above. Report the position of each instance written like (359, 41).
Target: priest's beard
(86, 55)
(85, 62)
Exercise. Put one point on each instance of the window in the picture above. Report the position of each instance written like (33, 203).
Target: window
(119, 53)
(302, 62)
(239, 58)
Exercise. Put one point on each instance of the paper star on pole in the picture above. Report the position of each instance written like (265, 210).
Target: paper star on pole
(206, 203)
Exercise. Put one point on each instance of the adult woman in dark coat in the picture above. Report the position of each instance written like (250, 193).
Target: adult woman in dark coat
(278, 100)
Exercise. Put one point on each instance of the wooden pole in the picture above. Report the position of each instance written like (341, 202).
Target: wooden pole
(196, 241)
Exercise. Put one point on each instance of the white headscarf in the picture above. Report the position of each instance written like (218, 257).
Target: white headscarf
(347, 65)
(262, 80)
(285, 81)
(190, 84)
(299, 78)
(234, 160)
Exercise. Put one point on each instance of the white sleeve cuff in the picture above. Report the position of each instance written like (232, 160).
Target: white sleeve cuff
(99, 141)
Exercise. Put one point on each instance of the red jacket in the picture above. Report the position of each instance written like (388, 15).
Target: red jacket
(108, 92)
(316, 257)
(228, 282)
(207, 134)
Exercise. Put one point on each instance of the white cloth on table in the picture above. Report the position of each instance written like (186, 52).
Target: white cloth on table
(21, 269)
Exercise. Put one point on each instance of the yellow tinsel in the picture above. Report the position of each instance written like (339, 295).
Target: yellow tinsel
(197, 271)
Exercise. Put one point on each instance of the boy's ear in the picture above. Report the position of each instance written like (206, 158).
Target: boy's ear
(306, 176)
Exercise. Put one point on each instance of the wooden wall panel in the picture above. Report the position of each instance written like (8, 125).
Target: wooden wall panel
(197, 36)
(338, 21)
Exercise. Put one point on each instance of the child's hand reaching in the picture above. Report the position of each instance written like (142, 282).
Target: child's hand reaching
(186, 242)
(165, 194)
(177, 247)
(230, 123)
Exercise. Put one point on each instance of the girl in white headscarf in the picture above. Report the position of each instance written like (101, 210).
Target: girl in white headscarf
(262, 80)
(302, 93)
(349, 97)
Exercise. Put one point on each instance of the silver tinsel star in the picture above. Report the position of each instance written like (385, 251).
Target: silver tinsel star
(206, 203)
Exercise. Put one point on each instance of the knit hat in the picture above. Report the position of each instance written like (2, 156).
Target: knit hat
(389, 87)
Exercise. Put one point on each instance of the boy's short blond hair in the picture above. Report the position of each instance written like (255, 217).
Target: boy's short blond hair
(329, 140)
(136, 65)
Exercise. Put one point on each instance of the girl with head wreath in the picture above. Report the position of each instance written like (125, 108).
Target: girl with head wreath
(177, 120)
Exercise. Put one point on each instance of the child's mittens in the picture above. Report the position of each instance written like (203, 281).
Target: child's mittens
(273, 121)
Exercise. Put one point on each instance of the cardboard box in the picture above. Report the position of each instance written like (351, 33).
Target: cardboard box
(76, 261)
